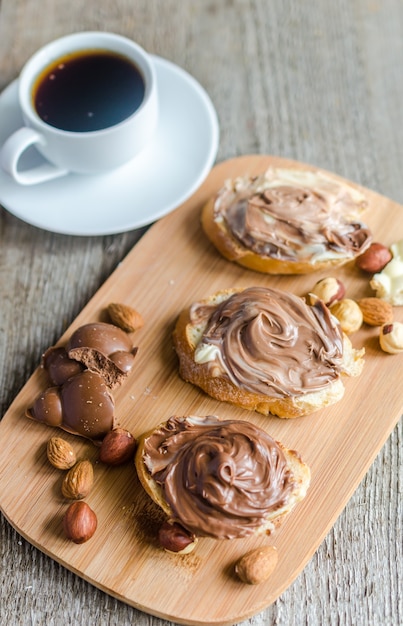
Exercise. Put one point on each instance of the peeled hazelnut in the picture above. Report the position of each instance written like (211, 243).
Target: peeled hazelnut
(349, 315)
(78, 481)
(391, 338)
(329, 290)
(257, 565)
(174, 538)
(118, 447)
(79, 522)
(60, 453)
(374, 259)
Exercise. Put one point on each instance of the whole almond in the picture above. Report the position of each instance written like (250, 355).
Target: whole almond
(257, 565)
(375, 311)
(78, 481)
(124, 316)
(60, 453)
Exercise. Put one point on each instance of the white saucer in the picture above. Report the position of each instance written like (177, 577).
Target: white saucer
(158, 180)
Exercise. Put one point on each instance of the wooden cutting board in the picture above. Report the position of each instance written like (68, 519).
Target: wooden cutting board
(171, 266)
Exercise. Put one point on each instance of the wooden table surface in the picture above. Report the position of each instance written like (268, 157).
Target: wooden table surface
(319, 82)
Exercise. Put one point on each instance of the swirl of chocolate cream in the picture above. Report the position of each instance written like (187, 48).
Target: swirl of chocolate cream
(294, 222)
(221, 478)
(270, 342)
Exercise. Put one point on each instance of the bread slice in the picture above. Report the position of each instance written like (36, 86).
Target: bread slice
(181, 465)
(307, 346)
(287, 222)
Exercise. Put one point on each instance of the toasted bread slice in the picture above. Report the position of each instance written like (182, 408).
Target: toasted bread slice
(287, 222)
(274, 481)
(318, 355)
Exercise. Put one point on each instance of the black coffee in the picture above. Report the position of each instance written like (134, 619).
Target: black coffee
(88, 90)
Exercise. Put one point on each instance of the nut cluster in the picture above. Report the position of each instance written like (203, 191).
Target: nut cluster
(333, 293)
(372, 311)
(378, 311)
(80, 521)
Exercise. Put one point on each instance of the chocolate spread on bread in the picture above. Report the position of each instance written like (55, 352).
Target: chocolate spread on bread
(293, 220)
(269, 342)
(221, 478)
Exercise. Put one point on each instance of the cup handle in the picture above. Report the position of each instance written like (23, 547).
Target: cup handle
(12, 150)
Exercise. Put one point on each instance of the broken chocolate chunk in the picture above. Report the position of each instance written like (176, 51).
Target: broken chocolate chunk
(105, 349)
(59, 366)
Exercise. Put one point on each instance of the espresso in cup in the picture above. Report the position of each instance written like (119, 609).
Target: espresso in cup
(88, 90)
(89, 103)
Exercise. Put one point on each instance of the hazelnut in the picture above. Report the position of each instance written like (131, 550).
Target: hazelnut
(79, 522)
(117, 447)
(174, 538)
(391, 338)
(374, 259)
(60, 453)
(349, 315)
(78, 481)
(329, 290)
(257, 565)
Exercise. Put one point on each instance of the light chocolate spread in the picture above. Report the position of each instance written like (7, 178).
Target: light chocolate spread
(269, 342)
(294, 218)
(220, 478)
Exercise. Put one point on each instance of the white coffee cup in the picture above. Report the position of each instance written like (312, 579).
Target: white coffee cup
(86, 152)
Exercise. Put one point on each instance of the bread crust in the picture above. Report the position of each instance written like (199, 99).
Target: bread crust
(150, 486)
(222, 389)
